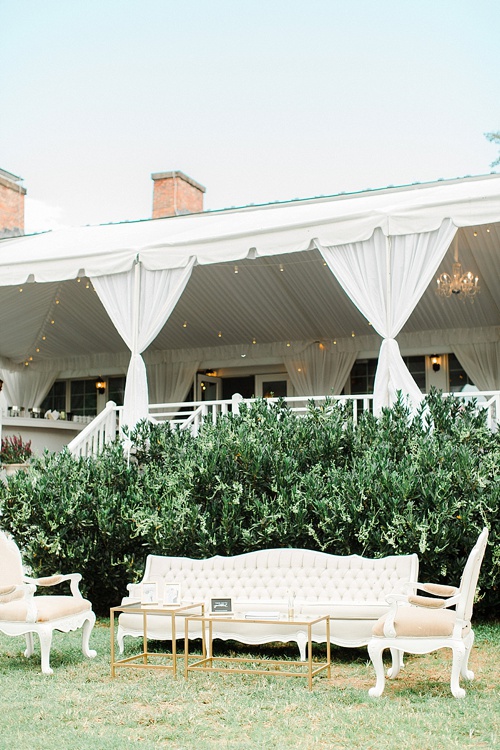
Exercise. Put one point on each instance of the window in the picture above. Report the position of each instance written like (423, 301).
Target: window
(55, 400)
(363, 373)
(363, 376)
(84, 398)
(416, 366)
(458, 376)
(116, 390)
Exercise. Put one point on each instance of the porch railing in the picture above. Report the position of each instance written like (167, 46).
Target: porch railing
(190, 415)
(103, 429)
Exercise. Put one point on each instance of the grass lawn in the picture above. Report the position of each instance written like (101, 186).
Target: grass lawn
(81, 707)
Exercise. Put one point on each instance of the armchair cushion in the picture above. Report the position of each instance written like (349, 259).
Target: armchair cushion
(47, 608)
(411, 622)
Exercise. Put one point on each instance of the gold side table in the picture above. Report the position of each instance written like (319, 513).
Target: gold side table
(143, 660)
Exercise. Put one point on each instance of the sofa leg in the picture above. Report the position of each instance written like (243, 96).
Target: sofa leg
(302, 644)
(87, 629)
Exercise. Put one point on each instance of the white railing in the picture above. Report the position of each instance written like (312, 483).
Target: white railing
(189, 415)
(102, 430)
(487, 400)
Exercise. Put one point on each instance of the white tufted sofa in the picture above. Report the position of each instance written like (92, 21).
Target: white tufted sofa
(351, 589)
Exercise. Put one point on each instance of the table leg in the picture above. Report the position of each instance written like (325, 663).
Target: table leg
(174, 648)
(112, 631)
(309, 656)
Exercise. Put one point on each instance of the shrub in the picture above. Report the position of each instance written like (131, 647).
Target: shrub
(14, 450)
(268, 478)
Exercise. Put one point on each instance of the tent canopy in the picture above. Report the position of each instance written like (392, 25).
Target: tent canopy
(259, 273)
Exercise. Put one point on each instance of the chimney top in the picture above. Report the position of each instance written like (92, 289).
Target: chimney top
(11, 204)
(175, 194)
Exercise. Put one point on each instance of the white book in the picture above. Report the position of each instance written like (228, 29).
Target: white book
(262, 616)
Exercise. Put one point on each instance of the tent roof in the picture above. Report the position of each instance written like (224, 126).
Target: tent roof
(230, 235)
(301, 302)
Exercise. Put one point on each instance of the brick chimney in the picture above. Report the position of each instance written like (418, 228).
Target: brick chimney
(175, 194)
(11, 205)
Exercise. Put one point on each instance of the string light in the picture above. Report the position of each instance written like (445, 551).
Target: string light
(236, 269)
(185, 324)
(219, 334)
(254, 341)
(281, 267)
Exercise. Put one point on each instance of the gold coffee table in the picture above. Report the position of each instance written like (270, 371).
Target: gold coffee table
(274, 667)
(143, 660)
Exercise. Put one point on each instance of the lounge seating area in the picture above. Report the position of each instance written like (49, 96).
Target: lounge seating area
(366, 601)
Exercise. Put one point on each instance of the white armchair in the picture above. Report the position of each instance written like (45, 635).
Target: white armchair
(23, 613)
(420, 624)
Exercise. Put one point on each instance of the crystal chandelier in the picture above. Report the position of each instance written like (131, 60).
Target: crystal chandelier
(466, 285)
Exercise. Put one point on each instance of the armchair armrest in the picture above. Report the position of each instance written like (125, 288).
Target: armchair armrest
(73, 578)
(436, 589)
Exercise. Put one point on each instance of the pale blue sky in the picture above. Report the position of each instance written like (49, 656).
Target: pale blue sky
(259, 101)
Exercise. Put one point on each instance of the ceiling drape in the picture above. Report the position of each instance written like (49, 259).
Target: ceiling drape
(385, 277)
(319, 369)
(139, 302)
(481, 361)
(169, 382)
(27, 387)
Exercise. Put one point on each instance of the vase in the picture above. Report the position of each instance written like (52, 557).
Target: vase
(11, 469)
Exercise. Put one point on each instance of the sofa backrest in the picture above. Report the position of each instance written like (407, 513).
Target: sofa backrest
(270, 575)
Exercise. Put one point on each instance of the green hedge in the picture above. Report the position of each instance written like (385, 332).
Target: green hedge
(268, 478)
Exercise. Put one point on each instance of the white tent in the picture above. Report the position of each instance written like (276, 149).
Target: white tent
(293, 260)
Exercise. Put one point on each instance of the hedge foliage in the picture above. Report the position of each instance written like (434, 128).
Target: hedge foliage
(268, 478)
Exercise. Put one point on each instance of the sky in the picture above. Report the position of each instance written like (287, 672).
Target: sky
(259, 101)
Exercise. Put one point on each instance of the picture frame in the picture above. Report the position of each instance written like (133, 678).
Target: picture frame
(149, 593)
(172, 594)
(221, 606)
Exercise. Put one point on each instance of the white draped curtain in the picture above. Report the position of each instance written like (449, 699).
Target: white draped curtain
(27, 387)
(319, 370)
(482, 363)
(169, 382)
(385, 277)
(139, 303)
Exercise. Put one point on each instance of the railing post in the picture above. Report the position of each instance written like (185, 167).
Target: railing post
(236, 400)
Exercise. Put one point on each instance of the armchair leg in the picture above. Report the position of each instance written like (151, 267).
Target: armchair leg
(45, 636)
(29, 645)
(459, 657)
(466, 673)
(397, 663)
(87, 629)
(375, 651)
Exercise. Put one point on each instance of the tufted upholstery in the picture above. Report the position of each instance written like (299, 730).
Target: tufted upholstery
(352, 589)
